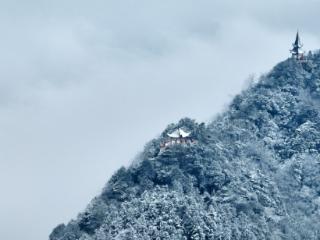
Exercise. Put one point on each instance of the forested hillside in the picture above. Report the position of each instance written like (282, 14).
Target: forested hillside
(252, 173)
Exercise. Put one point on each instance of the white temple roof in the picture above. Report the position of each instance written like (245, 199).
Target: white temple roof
(179, 133)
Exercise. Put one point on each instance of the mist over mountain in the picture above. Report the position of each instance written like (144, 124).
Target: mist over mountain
(251, 173)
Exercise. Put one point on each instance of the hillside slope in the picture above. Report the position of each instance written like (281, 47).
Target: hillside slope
(253, 173)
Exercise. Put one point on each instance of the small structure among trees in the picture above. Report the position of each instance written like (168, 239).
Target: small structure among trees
(178, 136)
(296, 50)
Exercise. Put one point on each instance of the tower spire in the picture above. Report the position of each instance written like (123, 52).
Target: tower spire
(296, 50)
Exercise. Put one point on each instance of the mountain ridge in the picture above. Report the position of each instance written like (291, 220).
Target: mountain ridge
(253, 173)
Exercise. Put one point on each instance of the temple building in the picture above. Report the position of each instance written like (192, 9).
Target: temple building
(178, 136)
(296, 50)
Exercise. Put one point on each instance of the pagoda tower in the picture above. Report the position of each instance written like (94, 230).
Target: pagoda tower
(296, 50)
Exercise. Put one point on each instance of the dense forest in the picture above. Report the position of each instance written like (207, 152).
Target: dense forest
(252, 173)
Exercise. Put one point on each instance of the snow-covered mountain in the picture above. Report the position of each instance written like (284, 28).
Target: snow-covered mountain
(251, 173)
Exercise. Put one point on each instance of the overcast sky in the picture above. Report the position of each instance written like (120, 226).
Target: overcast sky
(85, 84)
